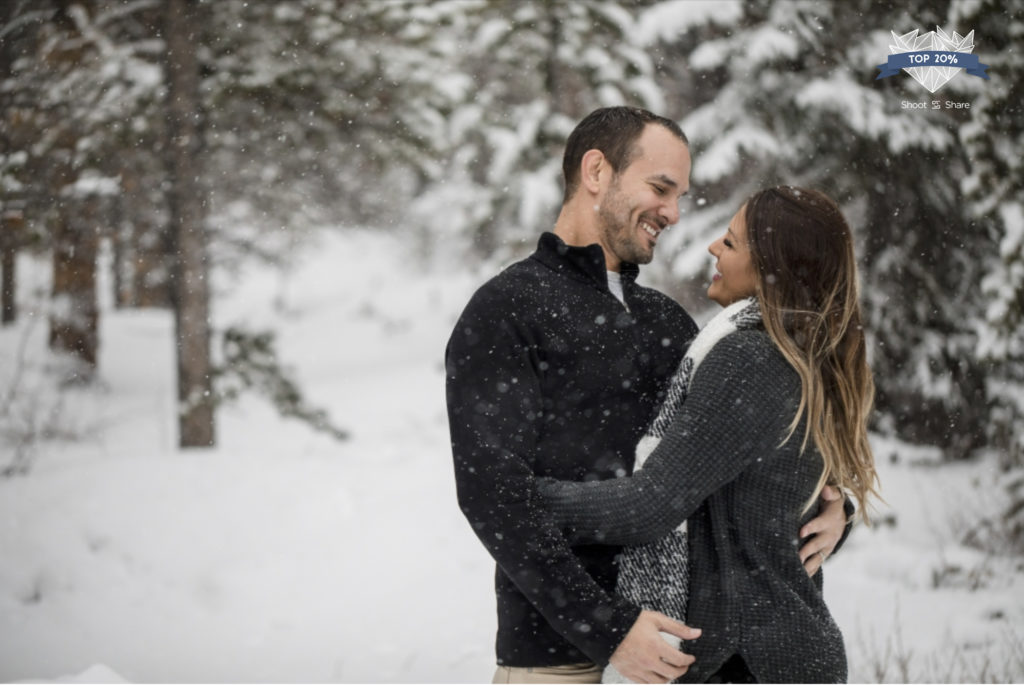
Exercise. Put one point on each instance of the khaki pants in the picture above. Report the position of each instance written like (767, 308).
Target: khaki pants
(574, 673)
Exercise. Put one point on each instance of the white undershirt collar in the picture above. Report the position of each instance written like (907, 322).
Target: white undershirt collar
(615, 286)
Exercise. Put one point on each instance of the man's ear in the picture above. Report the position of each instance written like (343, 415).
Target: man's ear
(594, 169)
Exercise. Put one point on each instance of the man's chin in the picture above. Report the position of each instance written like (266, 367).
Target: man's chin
(644, 257)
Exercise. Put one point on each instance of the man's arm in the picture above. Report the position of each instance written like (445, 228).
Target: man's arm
(828, 531)
(494, 411)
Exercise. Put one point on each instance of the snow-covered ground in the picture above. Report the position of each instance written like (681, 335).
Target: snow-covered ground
(285, 556)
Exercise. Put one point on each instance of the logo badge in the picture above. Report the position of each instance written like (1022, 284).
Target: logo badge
(932, 59)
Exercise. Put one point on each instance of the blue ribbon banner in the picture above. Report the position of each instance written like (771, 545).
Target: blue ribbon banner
(932, 58)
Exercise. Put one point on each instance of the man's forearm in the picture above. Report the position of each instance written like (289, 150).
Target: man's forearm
(538, 560)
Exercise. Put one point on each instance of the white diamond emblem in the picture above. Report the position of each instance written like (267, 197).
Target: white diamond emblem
(932, 78)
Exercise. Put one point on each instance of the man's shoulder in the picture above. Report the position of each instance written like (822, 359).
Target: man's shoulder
(521, 286)
(517, 280)
(658, 297)
(664, 307)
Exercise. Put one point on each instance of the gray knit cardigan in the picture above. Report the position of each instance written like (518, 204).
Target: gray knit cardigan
(721, 467)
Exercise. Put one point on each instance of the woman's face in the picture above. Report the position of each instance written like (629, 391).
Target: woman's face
(734, 276)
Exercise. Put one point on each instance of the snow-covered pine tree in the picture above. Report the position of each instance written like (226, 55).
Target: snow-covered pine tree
(13, 43)
(787, 94)
(524, 73)
(65, 95)
(133, 152)
(319, 113)
(314, 111)
(995, 190)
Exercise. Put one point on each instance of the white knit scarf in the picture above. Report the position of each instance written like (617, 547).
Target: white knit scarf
(741, 315)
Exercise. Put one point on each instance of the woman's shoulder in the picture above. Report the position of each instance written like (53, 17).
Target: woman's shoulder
(747, 342)
(750, 354)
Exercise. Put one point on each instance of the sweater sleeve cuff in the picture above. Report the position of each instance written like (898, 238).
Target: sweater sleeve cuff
(559, 499)
(610, 634)
(849, 509)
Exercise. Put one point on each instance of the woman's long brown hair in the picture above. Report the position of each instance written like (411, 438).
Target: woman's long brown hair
(802, 251)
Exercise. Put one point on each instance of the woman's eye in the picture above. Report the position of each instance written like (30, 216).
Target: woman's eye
(728, 243)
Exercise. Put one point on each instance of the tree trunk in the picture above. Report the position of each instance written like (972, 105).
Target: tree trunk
(145, 255)
(74, 317)
(9, 233)
(10, 224)
(190, 282)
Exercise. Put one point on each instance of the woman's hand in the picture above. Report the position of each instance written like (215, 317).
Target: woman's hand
(824, 531)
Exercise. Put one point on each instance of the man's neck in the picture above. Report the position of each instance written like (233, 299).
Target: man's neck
(578, 228)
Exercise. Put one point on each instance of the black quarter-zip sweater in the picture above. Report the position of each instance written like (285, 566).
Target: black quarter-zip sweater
(548, 374)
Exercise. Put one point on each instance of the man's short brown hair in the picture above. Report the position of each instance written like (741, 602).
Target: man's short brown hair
(614, 131)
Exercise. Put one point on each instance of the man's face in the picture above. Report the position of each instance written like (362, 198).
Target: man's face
(643, 199)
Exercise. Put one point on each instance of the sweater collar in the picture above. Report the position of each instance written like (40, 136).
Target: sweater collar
(587, 261)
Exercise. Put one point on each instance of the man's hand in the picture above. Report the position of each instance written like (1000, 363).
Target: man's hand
(826, 530)
(645, 657)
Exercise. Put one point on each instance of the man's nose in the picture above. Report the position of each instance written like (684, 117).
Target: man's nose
(670, 211)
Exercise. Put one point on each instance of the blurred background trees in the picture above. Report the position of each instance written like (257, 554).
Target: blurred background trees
(446, 120)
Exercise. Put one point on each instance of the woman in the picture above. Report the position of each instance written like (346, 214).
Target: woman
(769, 406)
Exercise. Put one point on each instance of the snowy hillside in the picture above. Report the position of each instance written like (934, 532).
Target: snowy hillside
(284, 556)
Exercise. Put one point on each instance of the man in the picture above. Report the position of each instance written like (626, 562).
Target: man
(555, 368)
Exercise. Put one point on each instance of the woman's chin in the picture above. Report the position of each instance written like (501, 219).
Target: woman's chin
(717, 297)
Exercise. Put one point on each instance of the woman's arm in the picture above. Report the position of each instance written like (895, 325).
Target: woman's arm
(741, 401)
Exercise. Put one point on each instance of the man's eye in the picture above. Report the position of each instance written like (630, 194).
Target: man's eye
(659, 190)
(728, 243)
